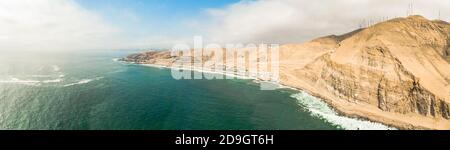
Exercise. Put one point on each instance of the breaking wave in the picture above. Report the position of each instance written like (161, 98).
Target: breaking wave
(29, 82)
(83, 81)
(320, 109)
(19, 81)
(52, 81)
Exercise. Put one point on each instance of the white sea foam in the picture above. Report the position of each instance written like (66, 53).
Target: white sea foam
(52, 81)
(19, 81)
(30, 82)
(203, 70)
(41, 76)
(155, 66)
(83, 81)
(35, 80)
(320, 109)
(16, 80)
(226, 73)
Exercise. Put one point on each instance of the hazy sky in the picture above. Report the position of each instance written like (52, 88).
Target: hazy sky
(129, 24)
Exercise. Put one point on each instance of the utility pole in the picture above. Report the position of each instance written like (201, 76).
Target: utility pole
(439, 16)
(407, 10)
(410, 10)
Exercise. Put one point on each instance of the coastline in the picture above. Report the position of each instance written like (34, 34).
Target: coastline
(320, 107)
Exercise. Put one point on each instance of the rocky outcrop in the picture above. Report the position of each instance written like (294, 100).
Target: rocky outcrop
(150, 57)
(364, 71)
(369, 83)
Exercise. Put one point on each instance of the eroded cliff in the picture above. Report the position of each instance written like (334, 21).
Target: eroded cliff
(397, 66)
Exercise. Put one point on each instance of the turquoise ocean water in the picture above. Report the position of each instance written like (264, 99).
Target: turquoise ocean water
(89, 90)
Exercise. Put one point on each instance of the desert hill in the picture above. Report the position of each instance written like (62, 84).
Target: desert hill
(395, 72)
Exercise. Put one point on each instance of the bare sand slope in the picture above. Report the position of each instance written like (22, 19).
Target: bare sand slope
(394, 72)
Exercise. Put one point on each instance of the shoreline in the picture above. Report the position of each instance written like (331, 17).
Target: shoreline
(331, 114)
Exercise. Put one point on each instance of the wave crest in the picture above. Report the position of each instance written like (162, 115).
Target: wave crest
(29, 82)
(320, 109)
(83, 81)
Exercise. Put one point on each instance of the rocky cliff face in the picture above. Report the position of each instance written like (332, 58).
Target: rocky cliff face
(400, 66)
(379, 80)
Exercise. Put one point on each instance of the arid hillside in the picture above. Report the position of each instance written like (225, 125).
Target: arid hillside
(395, 72)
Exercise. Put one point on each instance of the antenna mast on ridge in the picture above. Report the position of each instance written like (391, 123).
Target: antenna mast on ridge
(439, 16)
(410, 10)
